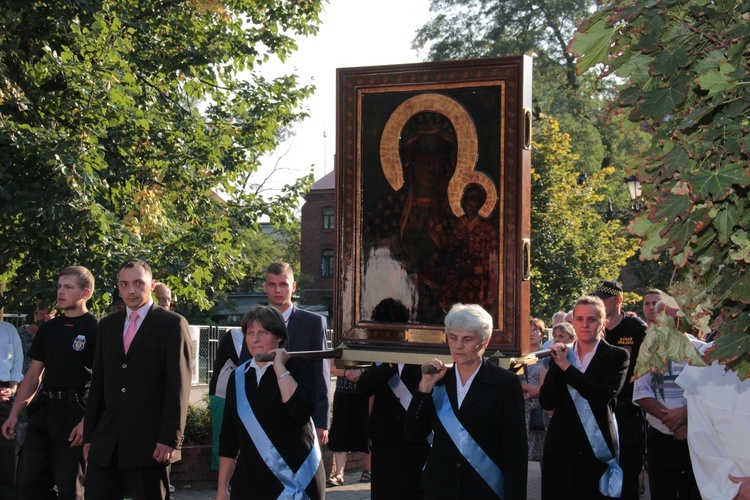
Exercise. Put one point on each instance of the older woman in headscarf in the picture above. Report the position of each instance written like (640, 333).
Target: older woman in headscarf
(476, 412)
(269, 447)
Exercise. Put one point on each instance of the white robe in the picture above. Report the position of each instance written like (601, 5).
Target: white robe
(718, 428)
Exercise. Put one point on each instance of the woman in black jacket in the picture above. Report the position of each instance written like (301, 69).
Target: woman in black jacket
(269, 447)
(580, 451)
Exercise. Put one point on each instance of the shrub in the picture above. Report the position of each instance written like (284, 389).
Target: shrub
(198, 426)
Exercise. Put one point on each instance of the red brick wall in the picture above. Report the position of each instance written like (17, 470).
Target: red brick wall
(194, 466)
(314, 240)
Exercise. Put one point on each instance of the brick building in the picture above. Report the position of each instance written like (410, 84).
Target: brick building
(318, 243)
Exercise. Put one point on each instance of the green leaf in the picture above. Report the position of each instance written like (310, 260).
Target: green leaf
(715, 82)
(663, 342)
(695, 116)
(717, 184)
(740, 290)
(726, 219)
(741, 250)
(593, 45)
(652, 244)
(680, 233)
(673, 206)
(732, 349)
(659, 103)
(669, 60)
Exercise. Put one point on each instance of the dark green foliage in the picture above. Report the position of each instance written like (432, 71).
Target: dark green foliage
(198, 426)
(685, 70)
(132, 128)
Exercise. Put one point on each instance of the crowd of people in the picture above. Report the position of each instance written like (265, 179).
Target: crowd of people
(95, 407)
(71, 387)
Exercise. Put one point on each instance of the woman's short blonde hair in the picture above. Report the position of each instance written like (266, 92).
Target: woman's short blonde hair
(591, 300)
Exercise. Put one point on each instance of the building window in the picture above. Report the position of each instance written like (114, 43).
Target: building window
(326, 264)
(327, 217)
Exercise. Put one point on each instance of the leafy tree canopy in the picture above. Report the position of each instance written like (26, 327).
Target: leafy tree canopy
(574, 247)
(685, 68)
(121, 121)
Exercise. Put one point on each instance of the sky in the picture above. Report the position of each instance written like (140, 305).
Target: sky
(352, 33)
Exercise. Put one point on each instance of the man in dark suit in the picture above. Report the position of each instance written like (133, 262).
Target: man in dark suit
(139, 394)
(307, 332)
(592, 372)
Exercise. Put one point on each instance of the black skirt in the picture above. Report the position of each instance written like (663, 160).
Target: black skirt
(349, 421)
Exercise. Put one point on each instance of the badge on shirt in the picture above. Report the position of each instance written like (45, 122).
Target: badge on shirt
(79, 343)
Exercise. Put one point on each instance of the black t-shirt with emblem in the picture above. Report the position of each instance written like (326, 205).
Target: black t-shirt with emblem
(628, 334)
(66, 347)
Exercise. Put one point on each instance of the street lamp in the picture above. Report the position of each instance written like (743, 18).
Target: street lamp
(634, 187)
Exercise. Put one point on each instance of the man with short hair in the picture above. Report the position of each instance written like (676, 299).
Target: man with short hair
(117, 303)
(10, 375)
(61, 360)
(670, 472)
(43, 311)
(307, 332)
(163, 296)
(140, 388)
(650, 299)
(558, 317)
(627, 332)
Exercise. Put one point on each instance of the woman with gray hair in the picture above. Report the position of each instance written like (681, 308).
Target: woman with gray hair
(476, 412)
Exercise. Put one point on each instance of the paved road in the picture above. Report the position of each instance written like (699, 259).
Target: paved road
(354, 490)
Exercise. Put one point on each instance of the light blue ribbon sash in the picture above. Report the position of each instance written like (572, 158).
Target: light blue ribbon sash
(400, 390)
(610, 484)
(404, 396)
(466, 445)
(294, 484)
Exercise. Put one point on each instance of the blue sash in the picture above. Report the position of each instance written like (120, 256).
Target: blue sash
(400, 390)
(294, 484)
(466, 445)
(610, 484)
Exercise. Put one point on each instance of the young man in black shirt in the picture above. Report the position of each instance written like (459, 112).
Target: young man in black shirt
(627, 332)
(61, 361)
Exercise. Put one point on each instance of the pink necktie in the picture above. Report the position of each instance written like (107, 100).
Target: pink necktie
(130, 332)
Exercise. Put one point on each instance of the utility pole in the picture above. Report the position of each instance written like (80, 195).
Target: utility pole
(325, 154)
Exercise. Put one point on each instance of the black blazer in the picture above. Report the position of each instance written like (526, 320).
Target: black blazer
(287, 425)
(599, 385)
(386, 422)
(139, 399)
(307, 332)
(493, 413)
(225, 352)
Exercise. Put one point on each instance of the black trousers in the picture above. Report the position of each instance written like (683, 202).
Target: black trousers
(670, 473)
(630, 423)
(114, 483)
(7, 459)
(571, 477)
(397, 470)
(46, 457)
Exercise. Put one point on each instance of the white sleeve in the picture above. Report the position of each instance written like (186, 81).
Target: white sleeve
(708, 454)
(16, 374)
(642, 388)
